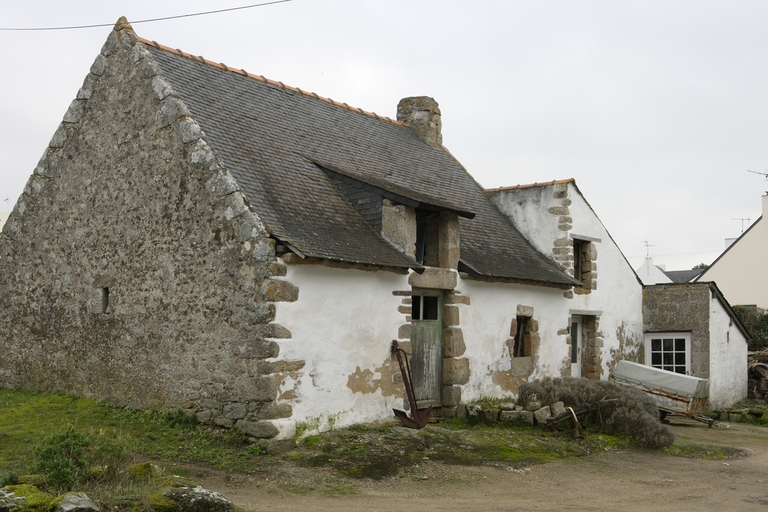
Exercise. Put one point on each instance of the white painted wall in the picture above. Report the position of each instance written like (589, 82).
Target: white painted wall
(740, 272)
(619, 292)
(486, 323)
(343, 323)
(727, 358)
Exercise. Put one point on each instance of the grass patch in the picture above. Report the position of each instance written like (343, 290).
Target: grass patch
(706, 451)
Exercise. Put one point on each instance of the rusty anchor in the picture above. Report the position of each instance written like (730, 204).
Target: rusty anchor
(420, 418)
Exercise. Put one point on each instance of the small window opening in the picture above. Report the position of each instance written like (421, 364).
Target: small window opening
(424, 307)
(104, 300)
(427, 238)
(522, 346)
(578, 259)
(575, 343)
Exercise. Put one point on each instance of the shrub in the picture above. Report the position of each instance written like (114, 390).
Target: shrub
(60, 457)
(68, 457)
(633, 415)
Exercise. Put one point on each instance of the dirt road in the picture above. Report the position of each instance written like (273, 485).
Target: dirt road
(626, 480)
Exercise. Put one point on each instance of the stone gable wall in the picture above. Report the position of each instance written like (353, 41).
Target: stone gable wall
(132, 268)
(681, 308)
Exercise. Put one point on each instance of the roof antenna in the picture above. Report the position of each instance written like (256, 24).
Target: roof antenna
(742, 222)
(762, 173)
(6, 202)
(647, 248)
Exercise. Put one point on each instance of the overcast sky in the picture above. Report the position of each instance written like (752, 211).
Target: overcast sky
(656, 108)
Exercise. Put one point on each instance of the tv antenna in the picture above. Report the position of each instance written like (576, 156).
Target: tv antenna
(761, 173)
(6, 202)
(647, 248)
(742, 222)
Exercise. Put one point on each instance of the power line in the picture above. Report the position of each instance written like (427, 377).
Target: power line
(76, 27)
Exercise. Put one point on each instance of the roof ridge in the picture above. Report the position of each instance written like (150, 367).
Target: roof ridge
(265, 80)
(531, 185)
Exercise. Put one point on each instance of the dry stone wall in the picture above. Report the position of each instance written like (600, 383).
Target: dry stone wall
(132, 268)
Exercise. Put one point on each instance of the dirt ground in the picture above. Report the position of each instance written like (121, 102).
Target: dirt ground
(623, 479)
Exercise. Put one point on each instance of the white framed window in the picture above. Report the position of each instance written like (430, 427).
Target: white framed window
(669, 351)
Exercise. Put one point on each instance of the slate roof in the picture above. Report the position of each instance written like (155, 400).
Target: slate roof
(277, 140)
(682, 276)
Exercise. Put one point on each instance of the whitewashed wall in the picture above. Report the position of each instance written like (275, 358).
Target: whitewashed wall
(618, 297)
(727, 359)
(740, 271)
(486, 328)
(342, 326)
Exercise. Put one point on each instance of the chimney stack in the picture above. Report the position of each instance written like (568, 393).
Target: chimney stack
(423, 116)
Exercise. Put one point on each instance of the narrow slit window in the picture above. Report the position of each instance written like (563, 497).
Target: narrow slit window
(104, 300)
(522, 343)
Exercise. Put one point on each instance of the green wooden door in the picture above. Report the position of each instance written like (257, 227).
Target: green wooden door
(427, 348)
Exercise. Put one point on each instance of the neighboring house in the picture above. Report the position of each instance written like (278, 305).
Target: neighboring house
(655, 274)
(690, 328)
(199, 238)
(652, 274)
(3, 218)
(740, 271)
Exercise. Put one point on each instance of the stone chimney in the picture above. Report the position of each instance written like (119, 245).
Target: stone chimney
(423, 116)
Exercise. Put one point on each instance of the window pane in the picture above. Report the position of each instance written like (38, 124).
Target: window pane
(430, 308)
(656, 359)
(668, 359)
(680, 358)
(669, 368)
(416, 307)
(667, 344)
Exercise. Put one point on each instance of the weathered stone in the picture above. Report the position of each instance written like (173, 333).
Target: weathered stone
(524, 311)
(455, 371)
(258, 389)
(451, 396)
(451, 315)
(204, 417)
(517, 417)
(455, 298)
(273, 411)
(235, 411)
(99, 65)
(559, 210)
(198, 499)
(533, 405)
(557, 408)
(223, 422)
(173, 110)
(491, 415)
(422, 115)
(189, 131)
(453, 342)
(404, 332)
(161, 87)
(59, 138)
(277, 446)
(435, 278)
(279, 290)
(74, 112)
(75, 502)
(235, 205)
(543, 414)
(258, 429)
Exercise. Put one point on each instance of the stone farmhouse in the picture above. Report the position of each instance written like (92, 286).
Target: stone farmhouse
(199, 238)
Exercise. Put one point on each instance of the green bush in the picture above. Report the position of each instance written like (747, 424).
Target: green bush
(755, 320)
(633, 415)
(69, 457)
(60, 457)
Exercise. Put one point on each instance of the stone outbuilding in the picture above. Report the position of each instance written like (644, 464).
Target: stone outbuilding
(691, 329)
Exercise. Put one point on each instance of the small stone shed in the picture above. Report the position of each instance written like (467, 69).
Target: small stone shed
(690, 328)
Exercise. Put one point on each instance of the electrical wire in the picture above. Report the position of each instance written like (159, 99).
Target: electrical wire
(76, 27)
